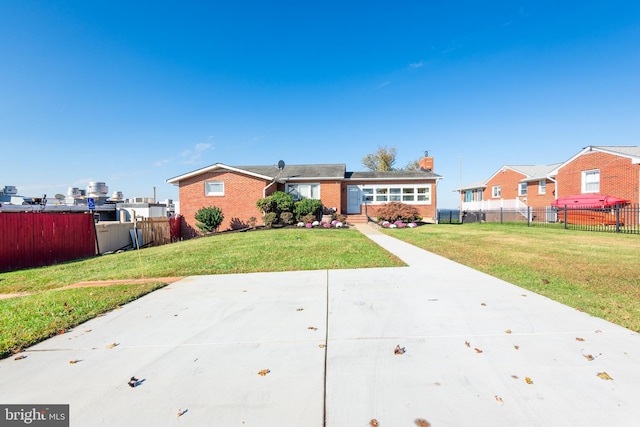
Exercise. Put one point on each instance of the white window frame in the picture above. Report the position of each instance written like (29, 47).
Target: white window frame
(588, 185)
(411, 194)
(522, 189)
(542, 186)
(496, 192)
(297, 190)
(208, 191)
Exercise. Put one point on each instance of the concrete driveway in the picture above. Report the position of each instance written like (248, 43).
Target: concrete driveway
(317, 348)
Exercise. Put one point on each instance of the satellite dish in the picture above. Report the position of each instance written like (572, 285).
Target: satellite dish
(281, 164)
(59, 196)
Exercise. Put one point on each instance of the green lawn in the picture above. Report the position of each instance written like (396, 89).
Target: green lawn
(598, 273)
(28, 319)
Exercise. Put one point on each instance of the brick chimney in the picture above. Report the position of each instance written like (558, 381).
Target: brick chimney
(426, 164)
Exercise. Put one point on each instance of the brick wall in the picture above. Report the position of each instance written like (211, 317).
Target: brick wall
(536, 200)
(618, 176)
(237, 205)
(508, 180)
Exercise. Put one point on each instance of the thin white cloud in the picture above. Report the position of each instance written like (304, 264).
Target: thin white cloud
(383, 84)
(193, 155)
(416, 65)
(161, 163)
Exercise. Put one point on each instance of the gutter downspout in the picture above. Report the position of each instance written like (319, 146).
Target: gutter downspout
(275, 179)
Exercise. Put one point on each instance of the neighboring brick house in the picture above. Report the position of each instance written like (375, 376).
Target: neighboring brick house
(511, 187)
(609, 170)
(235, 190)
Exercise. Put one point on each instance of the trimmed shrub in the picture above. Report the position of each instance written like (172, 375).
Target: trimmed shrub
(278, 202)
(270, 219)
(397, 211)
(308, 207)
(283, 202)
(209, 219)
(287, 218)
(308, 219)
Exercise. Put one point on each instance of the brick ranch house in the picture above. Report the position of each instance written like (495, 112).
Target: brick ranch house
(608, 170)
(235, 190)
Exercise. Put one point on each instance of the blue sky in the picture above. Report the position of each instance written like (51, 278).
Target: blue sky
(134, 93)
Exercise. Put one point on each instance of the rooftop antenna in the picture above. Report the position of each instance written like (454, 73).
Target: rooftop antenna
(426, 153)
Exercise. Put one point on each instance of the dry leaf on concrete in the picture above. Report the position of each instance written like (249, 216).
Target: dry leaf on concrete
(605, 376)
(477, 350)
(528, 380)
(421, 422)
(263, 372)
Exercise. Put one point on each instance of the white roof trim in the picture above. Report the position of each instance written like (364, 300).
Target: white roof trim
(176, 180)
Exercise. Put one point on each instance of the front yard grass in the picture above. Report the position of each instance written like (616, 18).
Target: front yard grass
(47, 311)
(595, 272)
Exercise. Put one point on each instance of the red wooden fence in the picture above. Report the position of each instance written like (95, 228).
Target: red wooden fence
(35, 239)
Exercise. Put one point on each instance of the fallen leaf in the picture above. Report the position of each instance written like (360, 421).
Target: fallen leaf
(113, 344)
(300, 309)
(588, 357)
(420, 422)
(598, 331)
(528, 380)
(321, 345)
(515, 377)
(467, 343)
(508, 331)
(399, 350)
(580, 310)
(263, 372)
(312, 328)
(604, 376)
(374, 423)
(74, 361)
(483, 304)
(87, 330)
(524, 295)
(477, 350)
(579, 339)
(181, 412)
(499, 399)
(626, 317)
(545, 281)
(22, 356)
(517, 347)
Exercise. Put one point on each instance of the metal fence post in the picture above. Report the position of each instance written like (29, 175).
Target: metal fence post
(617, 218)
(501, 217)
(565, 217)
(528, 216)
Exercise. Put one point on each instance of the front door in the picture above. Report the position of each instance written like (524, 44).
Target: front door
(354, 199)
